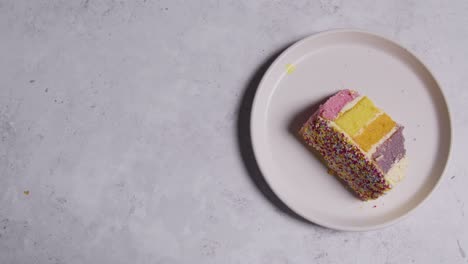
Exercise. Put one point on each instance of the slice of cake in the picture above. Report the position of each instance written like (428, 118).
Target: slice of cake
(360, 143)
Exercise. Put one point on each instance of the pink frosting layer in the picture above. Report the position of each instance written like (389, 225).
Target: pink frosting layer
(335, 103)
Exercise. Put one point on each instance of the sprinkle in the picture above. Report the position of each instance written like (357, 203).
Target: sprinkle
(290, 68)
(360, 173)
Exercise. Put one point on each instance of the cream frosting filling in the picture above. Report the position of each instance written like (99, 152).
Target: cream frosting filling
(368, 122)
(349, 105)
(397, 172)
(381, 141)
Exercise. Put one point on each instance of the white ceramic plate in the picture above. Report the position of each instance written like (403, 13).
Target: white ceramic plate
(394, 79)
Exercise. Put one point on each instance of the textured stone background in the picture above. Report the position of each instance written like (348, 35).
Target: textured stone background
(121, 120)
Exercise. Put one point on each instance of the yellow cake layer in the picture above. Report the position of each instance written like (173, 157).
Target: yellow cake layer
(357, 117)
(374, 131)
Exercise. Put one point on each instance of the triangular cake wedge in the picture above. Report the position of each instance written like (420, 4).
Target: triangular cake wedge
(360, 143)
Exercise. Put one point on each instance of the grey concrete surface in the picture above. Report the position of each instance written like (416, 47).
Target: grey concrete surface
(120, 130)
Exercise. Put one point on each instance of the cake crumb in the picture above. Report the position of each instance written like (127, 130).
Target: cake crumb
(375, 206)
(26, 192)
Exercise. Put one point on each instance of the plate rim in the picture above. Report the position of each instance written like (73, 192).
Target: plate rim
(255, 145)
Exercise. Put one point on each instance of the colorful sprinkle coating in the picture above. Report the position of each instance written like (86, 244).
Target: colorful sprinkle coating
(346, 159)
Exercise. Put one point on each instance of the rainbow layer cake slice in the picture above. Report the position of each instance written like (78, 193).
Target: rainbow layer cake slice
(359, 142)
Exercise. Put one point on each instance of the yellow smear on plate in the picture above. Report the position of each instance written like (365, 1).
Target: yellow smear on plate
(290, 68)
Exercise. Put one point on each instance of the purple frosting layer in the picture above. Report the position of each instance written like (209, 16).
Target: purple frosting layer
(390, 151)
